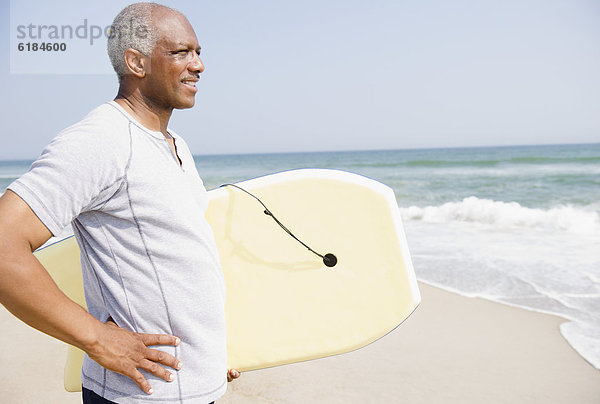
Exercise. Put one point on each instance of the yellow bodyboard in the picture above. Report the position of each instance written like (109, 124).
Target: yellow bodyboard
(284, 304)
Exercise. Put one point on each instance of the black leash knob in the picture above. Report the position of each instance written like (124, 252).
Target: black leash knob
(330, 260)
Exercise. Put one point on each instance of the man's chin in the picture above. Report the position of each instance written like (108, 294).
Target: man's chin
(186, 104)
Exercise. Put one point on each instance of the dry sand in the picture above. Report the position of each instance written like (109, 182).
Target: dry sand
(452, 350)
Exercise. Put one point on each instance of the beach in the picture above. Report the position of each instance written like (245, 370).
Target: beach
(453, 349)
(511, 231)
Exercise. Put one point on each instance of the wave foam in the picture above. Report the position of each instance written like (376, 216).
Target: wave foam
(508, 215)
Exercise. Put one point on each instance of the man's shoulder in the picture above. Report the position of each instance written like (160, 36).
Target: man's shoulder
(102, 131)
(105, 117)
(103, 125)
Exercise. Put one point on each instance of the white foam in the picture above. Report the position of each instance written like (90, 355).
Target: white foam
(585, 339)
(507, 215)
(550, 271)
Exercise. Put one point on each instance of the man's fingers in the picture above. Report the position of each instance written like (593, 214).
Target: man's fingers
(156, 370)
(158, 339)
(125, 352)
(164, 358)
(232, 374)
(141, 381)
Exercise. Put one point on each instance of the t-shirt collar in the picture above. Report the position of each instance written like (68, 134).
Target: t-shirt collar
(153, 133)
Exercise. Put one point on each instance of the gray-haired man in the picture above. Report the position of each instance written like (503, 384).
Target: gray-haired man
(129, 187)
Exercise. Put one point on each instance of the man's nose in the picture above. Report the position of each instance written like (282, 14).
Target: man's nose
(196, 64)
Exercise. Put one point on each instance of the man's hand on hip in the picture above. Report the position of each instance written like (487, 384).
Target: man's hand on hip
(124, 352)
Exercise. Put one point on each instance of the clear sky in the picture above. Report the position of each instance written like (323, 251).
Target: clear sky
(321, 75)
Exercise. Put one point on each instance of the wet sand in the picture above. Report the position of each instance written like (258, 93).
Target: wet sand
(453, 349)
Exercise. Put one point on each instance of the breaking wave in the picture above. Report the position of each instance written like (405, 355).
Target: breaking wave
(569, 218)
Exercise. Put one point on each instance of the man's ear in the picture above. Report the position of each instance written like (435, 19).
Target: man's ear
(136, 62)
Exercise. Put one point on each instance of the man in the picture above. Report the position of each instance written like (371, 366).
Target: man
(129, 187)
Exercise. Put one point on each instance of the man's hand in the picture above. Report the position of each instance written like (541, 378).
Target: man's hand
(125, 352)
(232, 374)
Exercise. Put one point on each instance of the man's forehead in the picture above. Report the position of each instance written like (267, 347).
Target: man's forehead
(170, 42)
(193, 43)
(174, 29)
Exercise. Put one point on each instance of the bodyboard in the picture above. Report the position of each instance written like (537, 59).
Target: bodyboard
(284, 305)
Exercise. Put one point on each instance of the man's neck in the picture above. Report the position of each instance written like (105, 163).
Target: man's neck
(146, 113)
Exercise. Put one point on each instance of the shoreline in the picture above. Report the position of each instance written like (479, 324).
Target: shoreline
(564, 318)
(453, 349)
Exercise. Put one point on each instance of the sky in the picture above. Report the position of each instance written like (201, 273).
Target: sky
(326, 75)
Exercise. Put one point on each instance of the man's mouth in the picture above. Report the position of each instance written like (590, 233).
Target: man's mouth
(190, 82)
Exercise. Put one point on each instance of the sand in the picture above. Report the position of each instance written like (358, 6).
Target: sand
(453, 349)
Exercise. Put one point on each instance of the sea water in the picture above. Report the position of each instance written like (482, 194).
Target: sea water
(517, 225)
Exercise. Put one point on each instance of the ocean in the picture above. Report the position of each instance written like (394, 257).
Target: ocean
(517, 225)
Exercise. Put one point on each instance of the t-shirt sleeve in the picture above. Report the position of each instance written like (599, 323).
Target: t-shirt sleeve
(74, 173)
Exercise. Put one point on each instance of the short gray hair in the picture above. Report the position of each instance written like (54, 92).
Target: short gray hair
(132, 28)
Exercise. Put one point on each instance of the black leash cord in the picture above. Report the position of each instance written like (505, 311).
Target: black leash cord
(328, 259)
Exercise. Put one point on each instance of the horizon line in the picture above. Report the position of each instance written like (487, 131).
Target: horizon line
(360, 150)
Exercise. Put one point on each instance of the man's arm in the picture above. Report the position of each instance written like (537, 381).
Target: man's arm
(28, 291)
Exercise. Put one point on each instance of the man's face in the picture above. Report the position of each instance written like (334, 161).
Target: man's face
(175, 64)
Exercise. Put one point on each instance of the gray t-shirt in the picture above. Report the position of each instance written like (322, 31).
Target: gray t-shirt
(148, 255)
